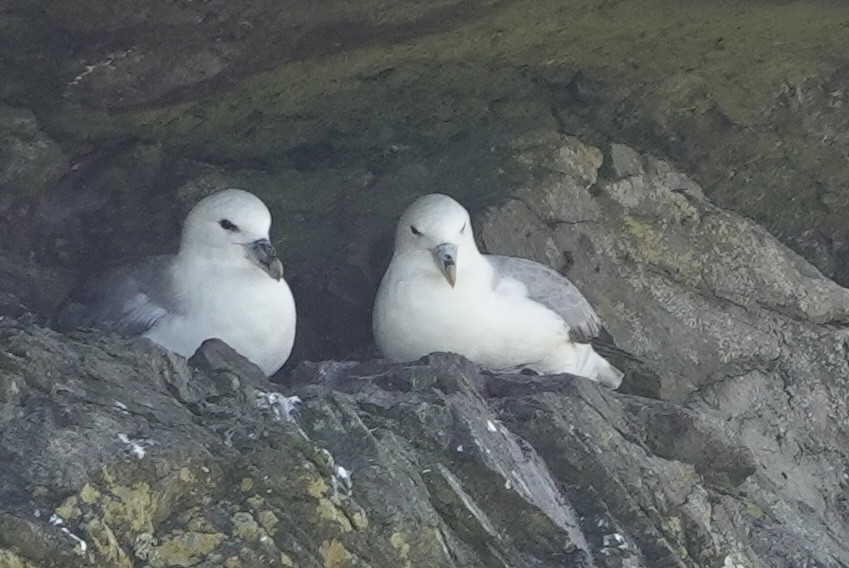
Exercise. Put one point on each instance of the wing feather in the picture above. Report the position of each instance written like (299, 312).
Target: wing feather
(127, 300)
(553, 290)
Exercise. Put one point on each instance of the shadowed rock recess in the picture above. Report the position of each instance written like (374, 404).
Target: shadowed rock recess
(727, 446)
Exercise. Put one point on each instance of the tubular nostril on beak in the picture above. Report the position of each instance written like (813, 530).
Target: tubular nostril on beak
(445, 256)
(265, 255)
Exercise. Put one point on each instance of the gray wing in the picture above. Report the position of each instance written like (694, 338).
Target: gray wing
(127, 300)
(553, 290)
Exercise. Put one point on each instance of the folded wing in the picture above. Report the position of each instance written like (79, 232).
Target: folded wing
(126, 300)
(553, 290)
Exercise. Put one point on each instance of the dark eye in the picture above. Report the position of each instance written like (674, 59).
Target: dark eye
(227, 225)
(415, 231)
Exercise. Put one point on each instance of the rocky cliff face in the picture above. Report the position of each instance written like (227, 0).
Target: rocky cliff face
(630, 145)
(725, 448)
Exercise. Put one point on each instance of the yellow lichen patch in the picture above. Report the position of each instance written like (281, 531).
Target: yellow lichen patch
(232, 562)
(604, 438)
(256, 501)
(185, 549)
(129, 507)
(673, 528)
(186, 475)
(359, 520)
(334, 554)
(88, 494)
(755, 512)
(684, 211)
(69, 509)
(649, 246)
(644, 233)
(107, 475)
(328, 511)
(107, 549)
(286, 560)
(9, 559)
(246, 528)
(400, 544)
(268, 520)
(197, 522)
(247, 484)
(317, 487)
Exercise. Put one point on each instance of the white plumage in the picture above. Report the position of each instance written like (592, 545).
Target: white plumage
(224, 282)
(440, 293)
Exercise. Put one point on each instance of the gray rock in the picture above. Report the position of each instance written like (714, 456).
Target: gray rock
(30, 162)
(736, 327)
(736, 458)
(104, 434)
(626, 161)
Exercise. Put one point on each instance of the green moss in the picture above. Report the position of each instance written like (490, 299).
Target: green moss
(706, 71)
(698, 54)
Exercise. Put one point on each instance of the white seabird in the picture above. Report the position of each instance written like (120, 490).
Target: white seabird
(440, 293)
(226, 282)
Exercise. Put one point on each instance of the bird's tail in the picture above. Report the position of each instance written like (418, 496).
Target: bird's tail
(581, 359)
(607, 374)
(606, 348)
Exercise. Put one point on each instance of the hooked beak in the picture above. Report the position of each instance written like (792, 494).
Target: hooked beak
(445, 256)
(265, 255)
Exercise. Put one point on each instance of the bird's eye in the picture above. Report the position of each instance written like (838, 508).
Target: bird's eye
(415, 231)
(227, 225)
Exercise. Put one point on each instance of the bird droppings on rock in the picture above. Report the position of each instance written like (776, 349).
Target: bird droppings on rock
(282, 407)
(134, 447)
(341, 480)
(80, 546)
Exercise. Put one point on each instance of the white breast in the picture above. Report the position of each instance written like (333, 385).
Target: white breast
(416, 314)
(244, 307)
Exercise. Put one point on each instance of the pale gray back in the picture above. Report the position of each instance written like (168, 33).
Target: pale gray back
(127, 300)
(553, 290)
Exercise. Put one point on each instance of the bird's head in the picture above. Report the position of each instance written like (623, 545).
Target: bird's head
(438, 227)
(228, 227)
